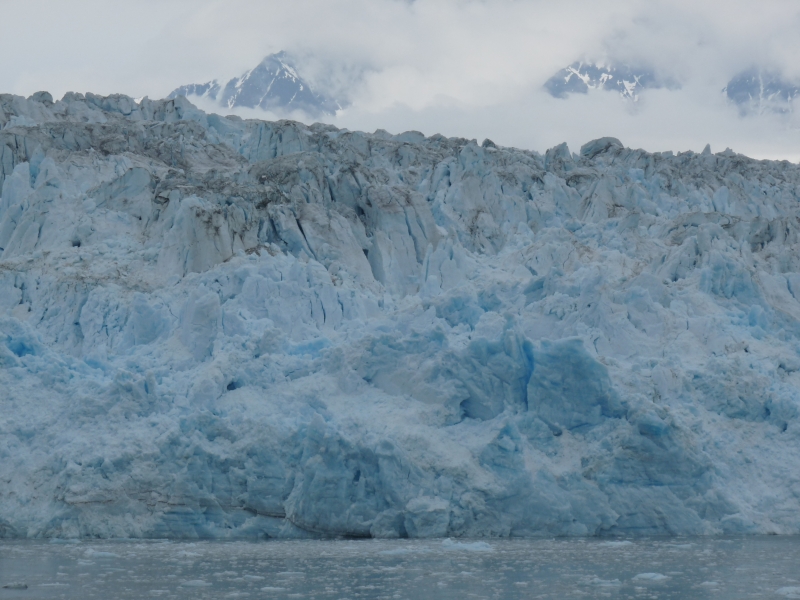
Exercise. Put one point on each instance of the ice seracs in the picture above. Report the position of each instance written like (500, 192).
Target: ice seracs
(216, 327)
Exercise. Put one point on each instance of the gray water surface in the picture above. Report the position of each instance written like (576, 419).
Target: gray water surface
(724, 568)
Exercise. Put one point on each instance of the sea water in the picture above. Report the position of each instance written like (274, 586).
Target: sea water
(741, 567)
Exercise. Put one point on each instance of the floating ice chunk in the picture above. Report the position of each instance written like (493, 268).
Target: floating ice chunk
(650, 577)
(617, 544)
(597, 581)
(450, 544)
(92, 553)
(195, 583)
(404, 551)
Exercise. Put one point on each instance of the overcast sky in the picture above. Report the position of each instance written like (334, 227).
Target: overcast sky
(463, 67)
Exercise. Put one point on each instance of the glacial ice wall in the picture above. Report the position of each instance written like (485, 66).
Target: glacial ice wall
(212, 327)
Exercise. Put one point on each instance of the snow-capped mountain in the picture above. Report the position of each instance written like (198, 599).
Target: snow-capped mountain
(580, 77)
(274, 84)
(216, 327)
(759, 90)
(754, 90)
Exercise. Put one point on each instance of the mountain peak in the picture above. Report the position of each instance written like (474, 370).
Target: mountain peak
(580, 77)
(273, 84)
(758, 90)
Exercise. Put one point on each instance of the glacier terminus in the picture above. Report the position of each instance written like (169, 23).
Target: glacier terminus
(222, 328)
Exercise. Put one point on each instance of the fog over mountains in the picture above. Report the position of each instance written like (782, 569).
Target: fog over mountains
(753, 91)
(759, 90)
(277, 84)
(273, 84)
(460, 68)
(579, 78)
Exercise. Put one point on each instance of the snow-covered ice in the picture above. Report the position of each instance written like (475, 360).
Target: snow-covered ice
(212, 327)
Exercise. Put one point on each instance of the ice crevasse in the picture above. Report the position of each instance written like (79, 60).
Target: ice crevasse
(214, 327)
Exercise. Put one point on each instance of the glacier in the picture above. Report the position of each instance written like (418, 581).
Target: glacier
(222, 328)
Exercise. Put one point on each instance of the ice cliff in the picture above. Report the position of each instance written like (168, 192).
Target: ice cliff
(223, 328)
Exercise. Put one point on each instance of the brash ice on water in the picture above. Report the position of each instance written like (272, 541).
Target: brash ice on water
(212, 327)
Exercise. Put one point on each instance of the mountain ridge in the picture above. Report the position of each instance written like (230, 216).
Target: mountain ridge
(754, 90)
(757, 90)
(274, 84)
(580, 77)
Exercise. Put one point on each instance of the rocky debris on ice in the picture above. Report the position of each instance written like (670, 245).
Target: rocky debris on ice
(212, 327)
